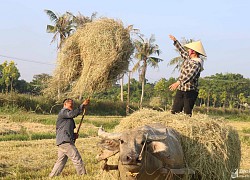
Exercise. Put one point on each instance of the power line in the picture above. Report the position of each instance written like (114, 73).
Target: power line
(26, 60)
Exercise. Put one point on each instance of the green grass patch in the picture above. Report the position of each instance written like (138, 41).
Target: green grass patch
(38, 136)
(245, 139)
(246, 130)
(30, 117)
(27, 137)
(108, 124)
(24, 135)
(14, 137)
(239, 117)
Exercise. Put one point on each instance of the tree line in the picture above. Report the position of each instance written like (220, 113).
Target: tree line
(219, 90)
(10, 82)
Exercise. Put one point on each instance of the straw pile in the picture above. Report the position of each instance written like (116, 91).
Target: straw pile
(211, 147)
(93, 58)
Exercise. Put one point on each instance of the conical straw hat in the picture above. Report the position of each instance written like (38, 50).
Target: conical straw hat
(196, 46)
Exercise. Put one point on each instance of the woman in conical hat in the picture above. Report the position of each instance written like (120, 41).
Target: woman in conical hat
(187, 84)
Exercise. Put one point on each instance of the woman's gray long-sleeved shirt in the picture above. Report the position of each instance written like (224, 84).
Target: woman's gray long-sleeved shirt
(65, 125)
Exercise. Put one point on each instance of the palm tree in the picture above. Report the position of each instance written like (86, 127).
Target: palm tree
(132, 31)
(63, 26)
(177, 61)
(80, 20)
(144, 48)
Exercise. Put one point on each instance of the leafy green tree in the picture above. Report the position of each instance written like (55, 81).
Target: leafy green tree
(161, 88)
(2, 83)
(39, 83)
(23, 87)
(202, 95)
(125, 95)
(10, 75)
(248, 100)
(214, 97)
(5, 79)
(149, 91)
(66, 24)
(144, 49)
(63, 26)
(110, 94)
(223, 98)
(135, 90)
(232, 84)
(242, 98)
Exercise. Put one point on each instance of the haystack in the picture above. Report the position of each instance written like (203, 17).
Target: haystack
(211, 148)
(93, 58)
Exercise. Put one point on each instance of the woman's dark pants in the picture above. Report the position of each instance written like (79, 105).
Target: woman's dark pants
(184, 100)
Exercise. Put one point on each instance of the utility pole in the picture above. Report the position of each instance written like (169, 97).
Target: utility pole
(128, 96)
(121, 81)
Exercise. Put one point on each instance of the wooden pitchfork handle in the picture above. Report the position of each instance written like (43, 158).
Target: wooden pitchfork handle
(78, 129)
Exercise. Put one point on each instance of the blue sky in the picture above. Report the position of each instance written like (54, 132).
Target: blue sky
(223, 26)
